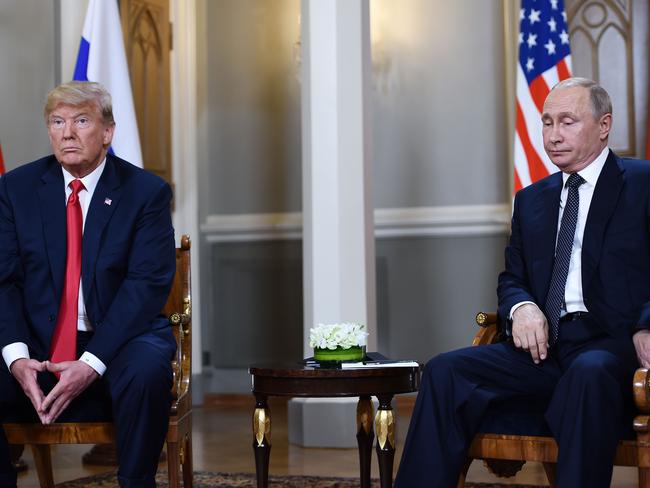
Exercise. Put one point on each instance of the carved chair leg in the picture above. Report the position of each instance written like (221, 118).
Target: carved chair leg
(463, 473)
(16, 452)
(43, 462)
(550, 469)
(188, 474)
(644, 477)
(173, 464)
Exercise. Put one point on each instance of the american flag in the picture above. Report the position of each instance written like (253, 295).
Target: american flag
(544, 60)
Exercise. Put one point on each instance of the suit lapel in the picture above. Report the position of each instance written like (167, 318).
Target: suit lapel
(51, 196)
(547, 206)
(103, 204)
(608, 188)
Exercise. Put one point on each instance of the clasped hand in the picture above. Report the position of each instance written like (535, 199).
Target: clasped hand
(75, 377)
(530, 331)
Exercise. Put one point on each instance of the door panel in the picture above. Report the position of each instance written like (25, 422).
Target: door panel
(146, 28)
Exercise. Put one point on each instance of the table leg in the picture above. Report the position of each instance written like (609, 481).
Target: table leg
(365, 436)
(385, 428)
(262, 440)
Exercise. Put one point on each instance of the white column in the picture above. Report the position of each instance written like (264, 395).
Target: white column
(184, 158)
(338, 237)
(338, 234)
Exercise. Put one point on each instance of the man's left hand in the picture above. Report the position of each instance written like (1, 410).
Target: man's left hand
(641, 341)
(75, 377)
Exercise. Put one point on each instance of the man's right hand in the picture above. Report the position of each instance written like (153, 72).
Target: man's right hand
(530, 331)
(25, 372)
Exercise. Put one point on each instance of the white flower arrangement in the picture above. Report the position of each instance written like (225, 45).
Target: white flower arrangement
(331, 336)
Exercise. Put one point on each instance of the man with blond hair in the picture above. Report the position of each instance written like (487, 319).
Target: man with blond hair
(86, 263)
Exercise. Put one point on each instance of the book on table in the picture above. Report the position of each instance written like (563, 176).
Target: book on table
(372, 360)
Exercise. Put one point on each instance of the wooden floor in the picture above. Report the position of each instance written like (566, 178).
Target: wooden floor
(223, 439)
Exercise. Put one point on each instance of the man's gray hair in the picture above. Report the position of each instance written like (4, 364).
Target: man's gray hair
(601, 104)
(77, 93)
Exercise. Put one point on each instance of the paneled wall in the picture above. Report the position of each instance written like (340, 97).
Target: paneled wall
(250, 117)
(29, 57)
(147, 38)
(440, 143)
(439, 103)
(257, 291)
(441, 176)
(249, 164)
(430, 288)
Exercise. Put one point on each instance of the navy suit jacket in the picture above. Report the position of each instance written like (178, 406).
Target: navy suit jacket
(128, 257)
(615, 249)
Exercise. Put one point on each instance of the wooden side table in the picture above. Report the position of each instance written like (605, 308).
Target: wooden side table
(297, 380)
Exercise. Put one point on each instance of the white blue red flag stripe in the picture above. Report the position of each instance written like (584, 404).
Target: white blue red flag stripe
(102, 59)
(544, 60)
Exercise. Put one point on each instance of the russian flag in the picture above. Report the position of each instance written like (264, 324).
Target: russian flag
(102, 59)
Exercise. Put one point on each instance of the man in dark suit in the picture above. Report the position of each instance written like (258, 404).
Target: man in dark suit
(82, 285)
(575, 302)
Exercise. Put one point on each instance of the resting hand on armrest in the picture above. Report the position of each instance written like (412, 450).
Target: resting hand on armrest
(530, 331)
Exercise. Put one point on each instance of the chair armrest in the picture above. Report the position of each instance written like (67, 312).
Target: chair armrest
(486, 319)
(179, 312)
(181, 365)
(489, 333)
(641, 389)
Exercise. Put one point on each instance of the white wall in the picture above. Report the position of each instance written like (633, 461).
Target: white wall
(28, 57)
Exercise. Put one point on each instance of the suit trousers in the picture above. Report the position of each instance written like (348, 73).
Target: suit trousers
(135, 393)
(585, 384)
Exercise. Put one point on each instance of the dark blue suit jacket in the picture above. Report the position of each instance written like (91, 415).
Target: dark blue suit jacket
(128, 259)
(615, 249)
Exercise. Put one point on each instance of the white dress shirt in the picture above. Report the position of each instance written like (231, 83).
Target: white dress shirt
(573, 299)
(19, 350)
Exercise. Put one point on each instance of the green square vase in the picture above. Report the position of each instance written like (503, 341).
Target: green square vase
(354, 353)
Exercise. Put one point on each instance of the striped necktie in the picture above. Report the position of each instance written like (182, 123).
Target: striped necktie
(555, 296)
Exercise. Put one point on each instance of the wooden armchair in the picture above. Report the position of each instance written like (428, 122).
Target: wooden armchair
(505, 454)
(179, 436)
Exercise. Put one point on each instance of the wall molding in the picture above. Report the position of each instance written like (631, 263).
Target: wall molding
(456, 221)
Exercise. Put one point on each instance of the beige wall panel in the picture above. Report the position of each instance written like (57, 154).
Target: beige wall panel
(602, 34)
(612, 72)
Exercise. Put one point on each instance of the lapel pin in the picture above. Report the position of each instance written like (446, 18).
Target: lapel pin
(107, 201)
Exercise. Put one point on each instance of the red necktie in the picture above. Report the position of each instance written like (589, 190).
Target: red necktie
(64, 342)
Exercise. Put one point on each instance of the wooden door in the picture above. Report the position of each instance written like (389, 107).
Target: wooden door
(147, 39)
(608, 44)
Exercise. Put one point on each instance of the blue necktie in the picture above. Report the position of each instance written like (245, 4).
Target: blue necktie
(555, 297)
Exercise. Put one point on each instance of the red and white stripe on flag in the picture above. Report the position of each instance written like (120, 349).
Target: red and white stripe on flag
(544, 60)
(2, 162)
